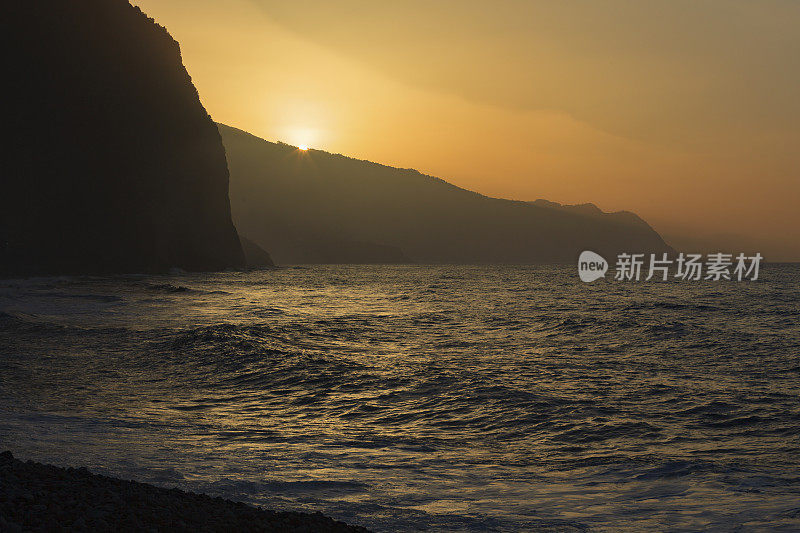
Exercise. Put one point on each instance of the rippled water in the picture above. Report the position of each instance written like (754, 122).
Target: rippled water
(406, 398)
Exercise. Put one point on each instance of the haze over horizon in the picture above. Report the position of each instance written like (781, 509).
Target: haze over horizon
(683, 112)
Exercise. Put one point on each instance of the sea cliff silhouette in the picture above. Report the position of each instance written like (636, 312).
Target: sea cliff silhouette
(113, 164)
(296, 203)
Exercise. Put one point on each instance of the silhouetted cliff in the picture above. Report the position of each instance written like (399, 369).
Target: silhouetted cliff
(293, 202)
(113, 163)
(255, 256)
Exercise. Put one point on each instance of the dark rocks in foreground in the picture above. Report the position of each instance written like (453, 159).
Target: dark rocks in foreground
(38, 497)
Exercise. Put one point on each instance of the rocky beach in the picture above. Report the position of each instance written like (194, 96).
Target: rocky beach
(39, 497)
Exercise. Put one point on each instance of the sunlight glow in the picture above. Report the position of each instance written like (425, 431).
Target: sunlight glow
(302, 136)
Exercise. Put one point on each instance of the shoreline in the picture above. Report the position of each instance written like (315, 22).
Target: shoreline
(41, 497)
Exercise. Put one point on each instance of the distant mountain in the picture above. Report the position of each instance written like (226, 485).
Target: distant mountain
(113, 164)
(313, 206)
(254, 255)
(591, 210)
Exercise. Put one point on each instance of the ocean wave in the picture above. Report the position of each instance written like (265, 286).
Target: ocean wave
(168, 288)
(427, 397)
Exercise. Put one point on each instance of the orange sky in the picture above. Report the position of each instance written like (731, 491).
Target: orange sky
(683, 111)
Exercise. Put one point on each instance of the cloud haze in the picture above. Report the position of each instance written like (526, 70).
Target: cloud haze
(685, 112)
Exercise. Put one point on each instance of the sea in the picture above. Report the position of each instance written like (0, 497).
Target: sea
(421, 398)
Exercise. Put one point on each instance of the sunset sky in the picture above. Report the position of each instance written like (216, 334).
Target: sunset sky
(686, 112)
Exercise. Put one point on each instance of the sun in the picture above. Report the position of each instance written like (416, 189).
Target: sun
(303, 137)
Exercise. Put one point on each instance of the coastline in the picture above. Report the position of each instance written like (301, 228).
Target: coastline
(40, 497)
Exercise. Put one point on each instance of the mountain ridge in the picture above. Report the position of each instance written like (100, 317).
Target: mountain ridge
(278, 191)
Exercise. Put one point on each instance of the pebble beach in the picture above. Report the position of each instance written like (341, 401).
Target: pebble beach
(39, 497)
